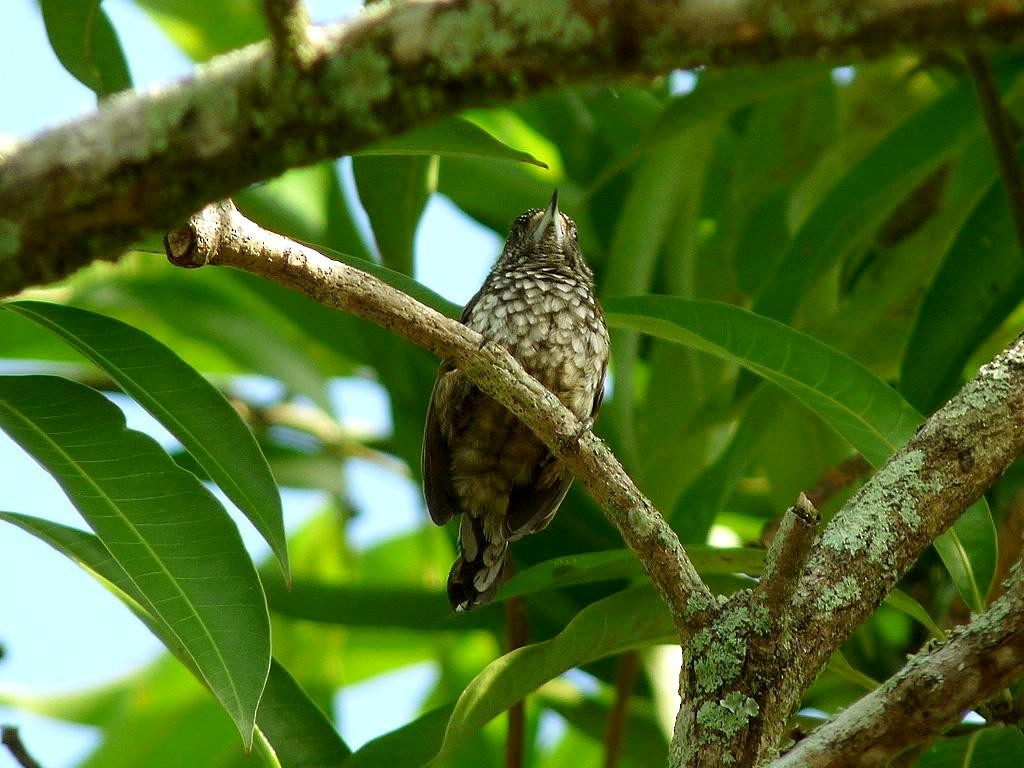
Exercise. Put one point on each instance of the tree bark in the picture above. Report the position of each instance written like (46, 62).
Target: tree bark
(144, 162)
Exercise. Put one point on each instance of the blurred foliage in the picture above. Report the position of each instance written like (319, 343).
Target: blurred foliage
(861, 207)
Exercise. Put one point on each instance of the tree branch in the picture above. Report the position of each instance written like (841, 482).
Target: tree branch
(928, 695)
(787, 556)
(740, 709)
(11, 739)
(1001, 134)
(288, 21)
(143, 162)
(221, 235)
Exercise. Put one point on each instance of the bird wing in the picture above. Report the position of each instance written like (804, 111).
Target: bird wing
(531, 507)
(436, 459)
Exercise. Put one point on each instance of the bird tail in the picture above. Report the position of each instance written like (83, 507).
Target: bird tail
(476, 574)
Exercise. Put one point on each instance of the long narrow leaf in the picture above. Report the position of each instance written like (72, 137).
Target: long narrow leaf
(187, 405)
(180, 550)
(299, 733)
(456, 137)
(628, 619)
(859, 406)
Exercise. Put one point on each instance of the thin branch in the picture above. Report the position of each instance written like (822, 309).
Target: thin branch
(928, 695)
(517, 632)
(615, 731)
(836, 478)
(219, 234)
(288, 22)
(1001, 133)
(788, 555)
(11, 739)
(143, 162)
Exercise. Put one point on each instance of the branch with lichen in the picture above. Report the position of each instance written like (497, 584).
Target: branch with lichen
(928, 695)
(744, 673)
(219, 234)
(144, 161)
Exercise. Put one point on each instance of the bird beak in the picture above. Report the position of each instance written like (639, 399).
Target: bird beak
(551, 218)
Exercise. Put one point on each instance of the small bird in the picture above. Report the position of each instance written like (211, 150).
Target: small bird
(478, 459)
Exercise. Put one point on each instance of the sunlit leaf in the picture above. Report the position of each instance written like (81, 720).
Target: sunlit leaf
(297, 730)
(176, 544)
(188, 406)
(456, 137)
(86, 43)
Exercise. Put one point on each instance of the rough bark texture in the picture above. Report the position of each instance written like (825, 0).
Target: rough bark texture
(931, 692)
(144, 162)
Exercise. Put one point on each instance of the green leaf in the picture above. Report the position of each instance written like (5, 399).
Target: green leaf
(718, 94)
(180, 550)
(626, 620)
(991, 748)
(374, 605)
(202, 30)
(455, 137)
(299, 732)
(863, 409)
(188, 406)
(394, 191)
(860, 201)
(629, 619)
(702, 500)
(980, 282)
(84, 40)
(903, 602)
(655, 194)
(592, 567)
(644, 744)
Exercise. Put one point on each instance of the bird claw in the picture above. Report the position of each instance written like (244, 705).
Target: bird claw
(586, 426)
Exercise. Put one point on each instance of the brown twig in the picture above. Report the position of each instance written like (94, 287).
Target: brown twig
(787, 557)
(615, 730)
(517, 632)
(88, 189)
(834, 479)
(11, 739)
(219, 234)
(1001, 133)
(288, 22)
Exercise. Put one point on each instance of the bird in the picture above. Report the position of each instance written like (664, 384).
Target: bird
(479, 461)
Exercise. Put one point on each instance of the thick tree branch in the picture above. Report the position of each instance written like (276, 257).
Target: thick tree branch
(143, 162)
(221, 235)
(742, 683)
(955, 456)
(928, 695)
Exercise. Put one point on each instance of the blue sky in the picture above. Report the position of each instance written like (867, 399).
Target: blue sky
(60, 629)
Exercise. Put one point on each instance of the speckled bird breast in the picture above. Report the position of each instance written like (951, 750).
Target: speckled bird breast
(552, 323)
